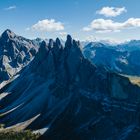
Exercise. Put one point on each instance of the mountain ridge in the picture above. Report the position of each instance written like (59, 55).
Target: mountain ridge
(123, 59)
(61, 94)
(70, 97)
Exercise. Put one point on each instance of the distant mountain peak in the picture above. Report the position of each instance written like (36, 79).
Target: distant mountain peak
(15, 53)
(7, 31)
(8, 34)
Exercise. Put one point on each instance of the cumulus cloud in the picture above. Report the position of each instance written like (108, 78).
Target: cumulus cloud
(102, 25)
(10, 8)
(47, 25)
(104, 40)
(63, 33)
(111, 11)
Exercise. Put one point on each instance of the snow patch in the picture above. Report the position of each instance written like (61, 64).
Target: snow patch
(22, 125)
(41, 131)
(2, 95)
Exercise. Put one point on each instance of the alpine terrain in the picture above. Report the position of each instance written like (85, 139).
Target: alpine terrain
(15, 53)
(57, 92)
(121, 58)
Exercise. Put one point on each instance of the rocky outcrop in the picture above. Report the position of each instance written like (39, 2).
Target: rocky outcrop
(15, 53)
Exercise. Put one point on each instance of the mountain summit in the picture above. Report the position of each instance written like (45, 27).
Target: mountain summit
(8, 34)
(15, 53)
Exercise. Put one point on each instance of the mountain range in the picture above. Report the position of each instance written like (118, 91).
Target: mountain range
(63, 93)
(123, 58)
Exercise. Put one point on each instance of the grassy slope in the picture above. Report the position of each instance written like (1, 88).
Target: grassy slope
(133, 79)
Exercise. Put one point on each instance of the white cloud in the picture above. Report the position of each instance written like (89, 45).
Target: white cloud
(47, 25)
(10, 8)
(108, 40)
(102, 25)
(111, 11)
(63, 33)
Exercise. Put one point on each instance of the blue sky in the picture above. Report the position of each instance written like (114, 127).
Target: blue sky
(59, 17)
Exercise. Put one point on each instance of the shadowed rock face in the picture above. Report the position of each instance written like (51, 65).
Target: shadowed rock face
(122, 59)
(15, 53)
(72, 98)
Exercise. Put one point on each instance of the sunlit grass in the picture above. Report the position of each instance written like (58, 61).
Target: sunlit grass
(133, 79)
(21, 135)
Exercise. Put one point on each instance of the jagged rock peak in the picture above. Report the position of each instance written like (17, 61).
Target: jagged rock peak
(69, 41)
(77, 45)
(58, 42)
(43, 45)
(8, 34)
(78, 42)
(51, 43)
(69, 37)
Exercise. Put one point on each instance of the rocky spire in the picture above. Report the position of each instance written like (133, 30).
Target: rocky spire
(77, 45)
(68, 45)
(43, 63)
(51, 44)
(69, 41)
(42, 53)
(58, 42)
(43, 48)
(57, 48)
